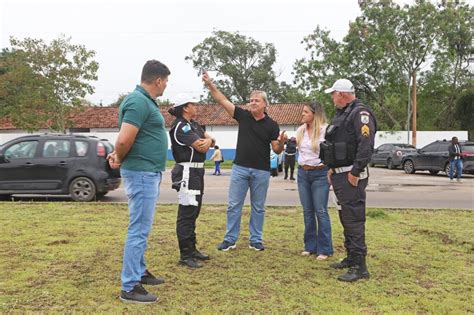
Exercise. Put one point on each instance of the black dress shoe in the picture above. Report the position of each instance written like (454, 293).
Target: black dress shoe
(190, 262)
(200, 256)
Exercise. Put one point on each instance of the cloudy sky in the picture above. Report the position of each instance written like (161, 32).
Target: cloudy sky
(125, 34)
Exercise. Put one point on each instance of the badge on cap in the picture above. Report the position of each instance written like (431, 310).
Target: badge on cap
(364, 119)
(365, 131)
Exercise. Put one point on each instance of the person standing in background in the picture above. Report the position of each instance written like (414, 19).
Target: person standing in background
(455, 160)
(290, 157)
(217, 158)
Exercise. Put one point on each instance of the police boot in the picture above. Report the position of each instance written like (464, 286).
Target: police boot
(345, 263)
(356, 272)
(286, 175)
(187, 258)
(198, 255)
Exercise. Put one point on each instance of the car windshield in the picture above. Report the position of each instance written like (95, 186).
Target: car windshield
(405, 146)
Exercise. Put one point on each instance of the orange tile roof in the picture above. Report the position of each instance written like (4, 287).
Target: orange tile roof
(208, 115)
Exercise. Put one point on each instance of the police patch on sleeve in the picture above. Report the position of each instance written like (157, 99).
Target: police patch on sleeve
(186, 128)
(365, 130)
(364, 119)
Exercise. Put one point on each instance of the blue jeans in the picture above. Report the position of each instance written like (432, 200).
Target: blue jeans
(313, 188)
(217, 169)
(142, 189)
(455, 164)
(241, 179)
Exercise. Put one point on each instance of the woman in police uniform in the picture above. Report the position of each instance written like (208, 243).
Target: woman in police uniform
(189, 144)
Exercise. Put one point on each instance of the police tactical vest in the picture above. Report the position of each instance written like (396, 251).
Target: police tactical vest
(340, 147)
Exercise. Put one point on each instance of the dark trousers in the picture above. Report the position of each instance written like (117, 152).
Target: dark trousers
(352, 213)
(289, 163)
(186, 226)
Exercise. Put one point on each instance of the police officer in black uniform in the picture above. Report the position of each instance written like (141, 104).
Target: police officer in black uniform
(189, 144)
(290, 155)
(347, 151)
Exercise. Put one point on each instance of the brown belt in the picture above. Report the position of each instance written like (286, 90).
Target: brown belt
(313, 168)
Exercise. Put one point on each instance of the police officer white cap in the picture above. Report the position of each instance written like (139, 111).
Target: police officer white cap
(341, 85)
(183, 99)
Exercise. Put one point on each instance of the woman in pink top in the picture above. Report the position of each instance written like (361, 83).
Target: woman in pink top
(313, 186)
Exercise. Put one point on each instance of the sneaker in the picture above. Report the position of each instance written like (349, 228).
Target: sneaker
(256, 246)
(138, 295)
(451, 180)
(150, 279)
(458, 180)
(190, 262)
(225, 246)
(306, 253)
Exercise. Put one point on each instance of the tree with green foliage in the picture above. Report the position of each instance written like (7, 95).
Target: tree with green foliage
(43, 84)
(242, 64)
(384, 46)
(450, 75)
(465, 112)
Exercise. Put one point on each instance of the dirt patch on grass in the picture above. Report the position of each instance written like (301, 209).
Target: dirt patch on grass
(58, 242)
(443, 237)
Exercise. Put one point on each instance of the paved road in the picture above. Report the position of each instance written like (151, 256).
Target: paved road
(387, 189)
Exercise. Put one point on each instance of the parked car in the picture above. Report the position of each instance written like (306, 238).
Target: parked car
(57, 164)
(434, 158)
(390, 155)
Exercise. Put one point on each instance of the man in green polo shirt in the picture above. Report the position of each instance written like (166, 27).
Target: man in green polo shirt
(140, 152)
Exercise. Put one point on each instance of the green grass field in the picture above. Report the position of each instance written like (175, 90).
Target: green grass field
(66, 257)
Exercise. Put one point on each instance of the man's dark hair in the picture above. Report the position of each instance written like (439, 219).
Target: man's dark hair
(154, 69)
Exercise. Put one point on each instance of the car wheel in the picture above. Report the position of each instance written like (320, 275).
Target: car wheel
(408, 167)
(82, 189)
(390, 164)
(434, 172)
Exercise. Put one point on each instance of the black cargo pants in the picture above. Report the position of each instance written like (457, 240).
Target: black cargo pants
(352, 214)
(186, 228)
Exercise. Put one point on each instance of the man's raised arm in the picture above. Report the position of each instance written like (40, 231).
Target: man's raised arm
(218, 96)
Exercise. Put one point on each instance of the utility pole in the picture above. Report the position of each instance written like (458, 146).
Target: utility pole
(413, 102)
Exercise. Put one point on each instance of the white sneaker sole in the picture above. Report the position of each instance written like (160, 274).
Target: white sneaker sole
(136, 302)
(258, 250)
(228, 248)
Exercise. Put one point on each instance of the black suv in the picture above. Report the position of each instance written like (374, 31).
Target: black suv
(434, 158)
(57, 164)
